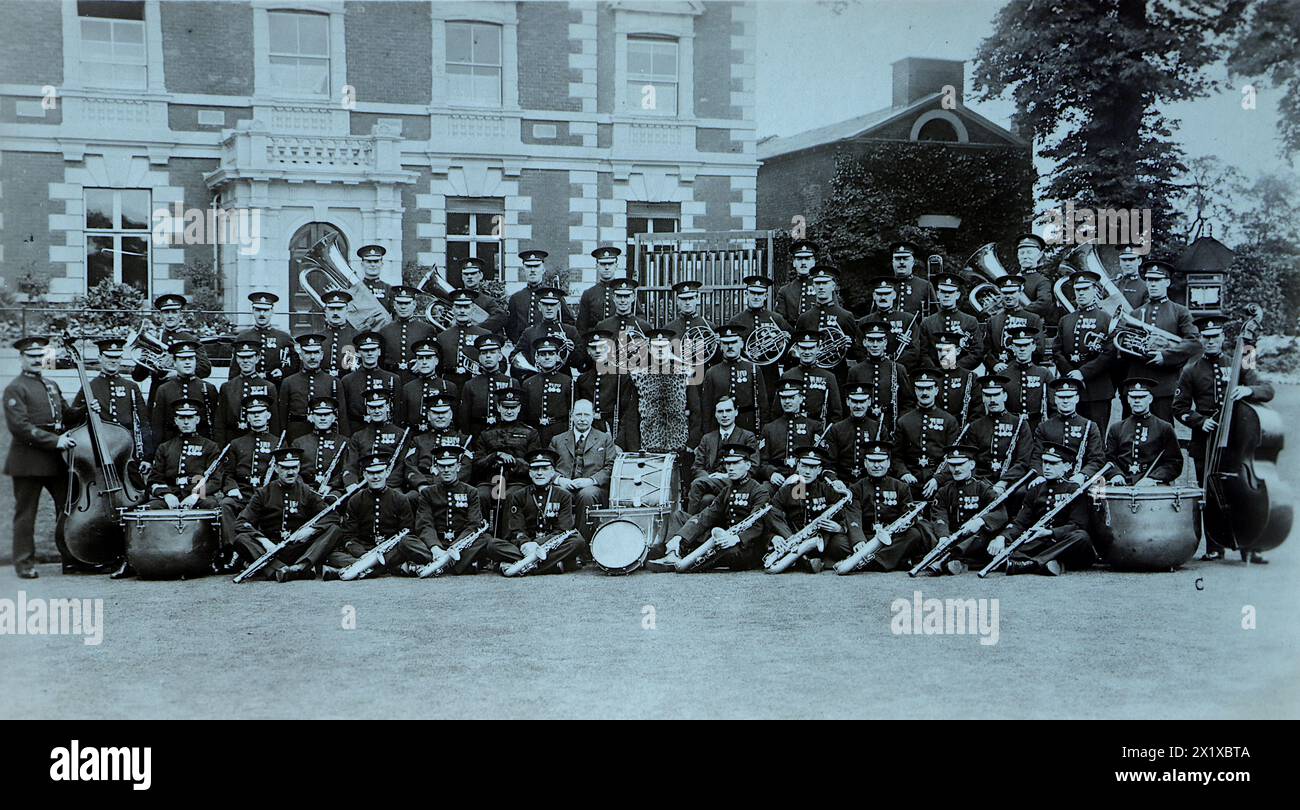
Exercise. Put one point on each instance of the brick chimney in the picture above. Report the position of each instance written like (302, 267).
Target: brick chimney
(915, 77)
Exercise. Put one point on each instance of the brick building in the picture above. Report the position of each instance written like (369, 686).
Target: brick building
(927, 106)
(438, 130)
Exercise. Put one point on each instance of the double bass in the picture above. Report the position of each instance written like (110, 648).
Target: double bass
(1247, 505)
(100, 467)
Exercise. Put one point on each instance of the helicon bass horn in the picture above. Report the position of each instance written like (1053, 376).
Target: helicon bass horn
(1085, 257)
(766, 344)
(324, 270)
(984, 262)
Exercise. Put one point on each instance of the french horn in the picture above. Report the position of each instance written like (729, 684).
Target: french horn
(1085, 257)
(766, 344)
(833, 346)
(699, 344)
(324, 270)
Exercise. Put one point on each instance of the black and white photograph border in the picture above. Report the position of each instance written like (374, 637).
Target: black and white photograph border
(693, 271)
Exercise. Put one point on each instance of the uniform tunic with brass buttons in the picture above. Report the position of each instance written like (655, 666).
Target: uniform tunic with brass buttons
(878, 502)
(275, 512)
(231, 422)
(1138, 442)
(300, 389)
(122, 403)
(319, 449)
(548, 396)
(177, 466)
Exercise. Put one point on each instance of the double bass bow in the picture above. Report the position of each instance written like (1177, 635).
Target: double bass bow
(1247, 505)
(101, 482)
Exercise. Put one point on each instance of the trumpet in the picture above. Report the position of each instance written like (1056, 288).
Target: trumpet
(324, 270)
(1139, 339)
(1085, 257)
(766, 344)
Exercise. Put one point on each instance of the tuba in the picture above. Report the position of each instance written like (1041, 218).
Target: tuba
(766, 344)
(144, 347)
(325, 270)
(1085, 257)
(436, 302)
(984, 263)
(1134, 337)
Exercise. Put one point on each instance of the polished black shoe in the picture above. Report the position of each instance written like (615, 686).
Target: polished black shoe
(1015, 567)
(295, 572)
(329, 573)
(1211, 556)
(27, 573)
(1255, 559)
(1054, 568)
(124, 570)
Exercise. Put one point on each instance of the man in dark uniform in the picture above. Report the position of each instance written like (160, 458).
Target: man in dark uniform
(890, 388)
(795, 296)
(1064, 541)
(185, 385)
(1128, 279)
(368, 377)
(278, 359)
(311, 382)
(374, 514)
(325, 450)
(339, 356)
(878, 500)
(169, 311)
(629, 328)
(1011, 315)
(1027, 381)
(471, 279)
(923, 433)
(848, 438)
(1038, 288)
(176, 478)
(786, 433)
(757, 317)
(597, 301)
(1164, 364)
(479, 396)
(439, 434)
(500, 462)
(458, 343)
(1198, 403)
(248, 464)
(949, 318)
(692, 330)
(446, 511)
(904, 328)
(537, 512)
(611, 392)
(381, 435)
(1084, 351)
(707, 476)
(955, 507)
(570, 357)
(372, 267)
(523, 304)
(821, 391)
(1143, 447)
(1068, 429)
(548, 394)
(826, 316)
(400, 333)
(230, 423)
(801, 501)
(117, 399)
(423, 387)
(37, 416)
(741, 497)
(914, 294)
(739, 379)
(278, 510)
(956, 383)
(1003, 441)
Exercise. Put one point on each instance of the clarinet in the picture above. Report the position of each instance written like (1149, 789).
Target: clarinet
(961, 532)
(1078, 458)
(329, 471)
(270, 468)
(1043, 521)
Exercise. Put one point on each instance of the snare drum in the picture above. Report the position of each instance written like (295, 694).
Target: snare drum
(1154, 527)
(171, 543)
(620, 546)
(644, 479)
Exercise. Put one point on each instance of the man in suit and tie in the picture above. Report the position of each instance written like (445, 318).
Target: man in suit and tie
(585, 462)
(708, 476)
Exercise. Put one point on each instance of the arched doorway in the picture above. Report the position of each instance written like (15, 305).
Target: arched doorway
(300, 303)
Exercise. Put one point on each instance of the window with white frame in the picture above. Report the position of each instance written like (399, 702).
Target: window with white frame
(300, 53)
(474, 63)
(651, 218)
(475, 227)
(112, 50)
(652, 76)
(117, 237)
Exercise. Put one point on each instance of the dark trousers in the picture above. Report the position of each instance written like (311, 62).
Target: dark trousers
(508, 552)
(248, 546)
(347, 551)
(492, 506)
(230, 509)
(1074, 549)
(416, 550)
(702, 492)
(909, 546)
(1197, 452)
(742, 557)
(27, 497)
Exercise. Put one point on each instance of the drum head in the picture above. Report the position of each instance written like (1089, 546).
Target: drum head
(619, 546)
(643, 479)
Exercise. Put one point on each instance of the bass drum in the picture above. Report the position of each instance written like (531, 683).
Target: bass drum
(644, 479)
(620, 546)
(1153, 527)
(171, 543)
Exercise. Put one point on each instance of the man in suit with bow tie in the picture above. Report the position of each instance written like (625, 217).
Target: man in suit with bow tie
(585, 463)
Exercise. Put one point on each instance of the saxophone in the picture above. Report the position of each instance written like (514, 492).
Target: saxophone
(534, 558)
(709, 548)
(859, 559)
(439, 567)
(802, 541)
(372, 558)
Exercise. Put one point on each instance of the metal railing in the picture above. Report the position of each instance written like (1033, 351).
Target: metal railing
(719, 260)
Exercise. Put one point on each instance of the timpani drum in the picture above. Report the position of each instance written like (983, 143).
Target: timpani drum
(171, 543)
(1154, 527)
(643, 492)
